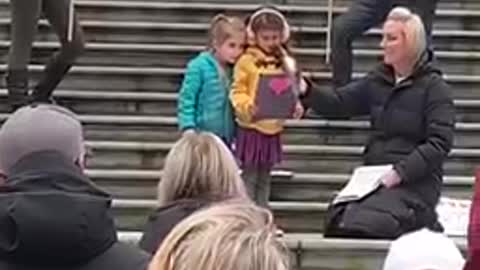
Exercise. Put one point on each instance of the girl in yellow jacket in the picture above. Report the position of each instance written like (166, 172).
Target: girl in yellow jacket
(258, 145)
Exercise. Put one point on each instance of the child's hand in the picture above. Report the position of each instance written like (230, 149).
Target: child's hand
(298, 113)
(252, 110)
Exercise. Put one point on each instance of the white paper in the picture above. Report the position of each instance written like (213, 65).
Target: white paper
(364, 180)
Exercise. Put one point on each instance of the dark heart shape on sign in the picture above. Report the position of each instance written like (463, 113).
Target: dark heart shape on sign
(280, 85)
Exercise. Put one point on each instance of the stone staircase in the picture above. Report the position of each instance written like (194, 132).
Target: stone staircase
(125, 90)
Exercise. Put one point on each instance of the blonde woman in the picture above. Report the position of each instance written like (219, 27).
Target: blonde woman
(412, 119)
(233, 235)
(199, 170)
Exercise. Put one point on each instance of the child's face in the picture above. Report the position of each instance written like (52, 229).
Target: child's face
(229, 51)
(269, 40)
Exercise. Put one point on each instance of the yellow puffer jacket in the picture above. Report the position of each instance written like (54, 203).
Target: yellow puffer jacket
(248, 70)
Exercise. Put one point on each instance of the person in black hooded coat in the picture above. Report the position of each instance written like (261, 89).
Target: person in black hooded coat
(412, 120)
(51, 215)
(199, 171)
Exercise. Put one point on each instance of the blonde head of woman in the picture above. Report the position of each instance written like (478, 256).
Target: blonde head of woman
(404, 40)
(200, 166)
(232, 235)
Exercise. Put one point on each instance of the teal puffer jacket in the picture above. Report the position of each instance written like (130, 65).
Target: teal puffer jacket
(204, 102)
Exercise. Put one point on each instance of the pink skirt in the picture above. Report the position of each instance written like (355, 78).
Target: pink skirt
(255, 149)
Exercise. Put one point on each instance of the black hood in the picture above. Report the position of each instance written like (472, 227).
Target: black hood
(164, 219)
(51, 214)
(425, 65)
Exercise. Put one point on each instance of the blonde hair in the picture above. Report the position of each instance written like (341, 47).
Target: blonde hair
(233, 235)
(414, 30)
(200, 166)
(222, 28)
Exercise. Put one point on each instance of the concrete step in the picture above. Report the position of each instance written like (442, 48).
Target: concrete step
(314, 15)
(165, 104)
(160, 79)
(319, 132)
(286, 185)
(149, 150)
(152, 55)
(299, 158)
(202, 12)
(306, 131)
(131, 215)
(312, 251)
(195, 33)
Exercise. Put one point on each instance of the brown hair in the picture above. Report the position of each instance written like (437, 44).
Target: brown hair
(223, 27)
(231, 235)
(267, 21)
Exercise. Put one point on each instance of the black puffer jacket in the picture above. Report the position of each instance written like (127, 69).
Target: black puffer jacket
(164, 219)
(53, 217)
(412, 122)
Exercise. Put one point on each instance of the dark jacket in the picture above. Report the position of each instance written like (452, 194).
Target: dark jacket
(162, 221)
(412, 124)
(53, 217)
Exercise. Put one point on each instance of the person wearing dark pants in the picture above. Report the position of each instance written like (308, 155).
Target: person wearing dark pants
(360, 17)
(24, 18)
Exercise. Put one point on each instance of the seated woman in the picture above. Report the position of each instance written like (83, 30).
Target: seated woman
(232, 235)
(412, 120)
(198, 171)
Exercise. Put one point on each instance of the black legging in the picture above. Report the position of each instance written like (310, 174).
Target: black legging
(25, 15)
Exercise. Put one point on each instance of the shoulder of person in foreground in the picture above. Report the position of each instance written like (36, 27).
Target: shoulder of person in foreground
(162, 221)
(120, 256)
(423, 250)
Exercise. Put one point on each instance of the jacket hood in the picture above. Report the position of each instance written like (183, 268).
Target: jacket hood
(425, 65)
(51, 214)
(164, 219)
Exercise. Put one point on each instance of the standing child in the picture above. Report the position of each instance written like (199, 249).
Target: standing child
(258, 144)
(203, 103)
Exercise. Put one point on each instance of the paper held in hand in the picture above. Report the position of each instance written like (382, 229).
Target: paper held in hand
(276, 97)
(364, 180)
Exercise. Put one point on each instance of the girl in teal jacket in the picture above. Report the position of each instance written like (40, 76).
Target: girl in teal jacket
(204, 96)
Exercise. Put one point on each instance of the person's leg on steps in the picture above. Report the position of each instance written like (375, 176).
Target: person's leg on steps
(361, 16)
(264, 186)
(250, 177)
(24, 17)
(57, 13)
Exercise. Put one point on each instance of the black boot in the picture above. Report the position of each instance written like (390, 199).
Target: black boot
(17, 86)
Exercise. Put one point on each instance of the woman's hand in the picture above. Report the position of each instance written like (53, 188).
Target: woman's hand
(391, 179)
(299, 111)
(303, 85)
